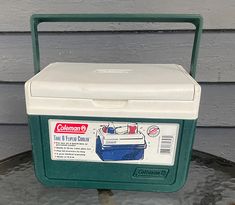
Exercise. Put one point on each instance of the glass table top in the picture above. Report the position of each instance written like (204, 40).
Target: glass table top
(211, 181)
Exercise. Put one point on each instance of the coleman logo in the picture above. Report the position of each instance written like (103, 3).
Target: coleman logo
(150, 173)
(71, 128)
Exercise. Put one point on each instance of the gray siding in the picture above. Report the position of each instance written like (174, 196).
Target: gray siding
(13, 140)
(15, 14)
(216, 61)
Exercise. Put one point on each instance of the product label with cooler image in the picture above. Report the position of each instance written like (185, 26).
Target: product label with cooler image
(119, 142)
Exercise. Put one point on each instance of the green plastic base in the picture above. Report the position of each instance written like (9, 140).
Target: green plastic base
(110, 175)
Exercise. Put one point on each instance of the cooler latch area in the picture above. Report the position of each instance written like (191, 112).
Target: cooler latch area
(110, 103)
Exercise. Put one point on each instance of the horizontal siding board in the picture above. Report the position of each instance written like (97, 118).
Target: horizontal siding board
(216, 141)
(216, 61)
(12, 103)
(15, 14)
(217, 104)
(15, 139)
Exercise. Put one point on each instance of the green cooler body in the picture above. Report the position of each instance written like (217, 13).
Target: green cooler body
(112, 126)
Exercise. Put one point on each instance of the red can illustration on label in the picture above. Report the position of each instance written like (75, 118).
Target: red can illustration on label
(104, 128)
(132, 128)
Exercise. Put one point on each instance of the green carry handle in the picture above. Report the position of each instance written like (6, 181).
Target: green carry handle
(194, 19)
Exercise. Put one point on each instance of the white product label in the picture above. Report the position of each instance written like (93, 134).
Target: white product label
(119, 142)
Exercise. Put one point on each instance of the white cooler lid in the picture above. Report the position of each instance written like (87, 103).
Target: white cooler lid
(114, 81)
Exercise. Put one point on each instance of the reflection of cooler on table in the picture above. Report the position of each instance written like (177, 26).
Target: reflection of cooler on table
(120, 143)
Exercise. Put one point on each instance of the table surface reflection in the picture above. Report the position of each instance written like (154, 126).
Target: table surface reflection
(211, 180)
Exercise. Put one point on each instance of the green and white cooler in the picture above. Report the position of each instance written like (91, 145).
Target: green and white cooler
(113, 126)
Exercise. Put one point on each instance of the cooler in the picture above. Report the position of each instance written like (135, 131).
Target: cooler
(120, 142)
(113, 126)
